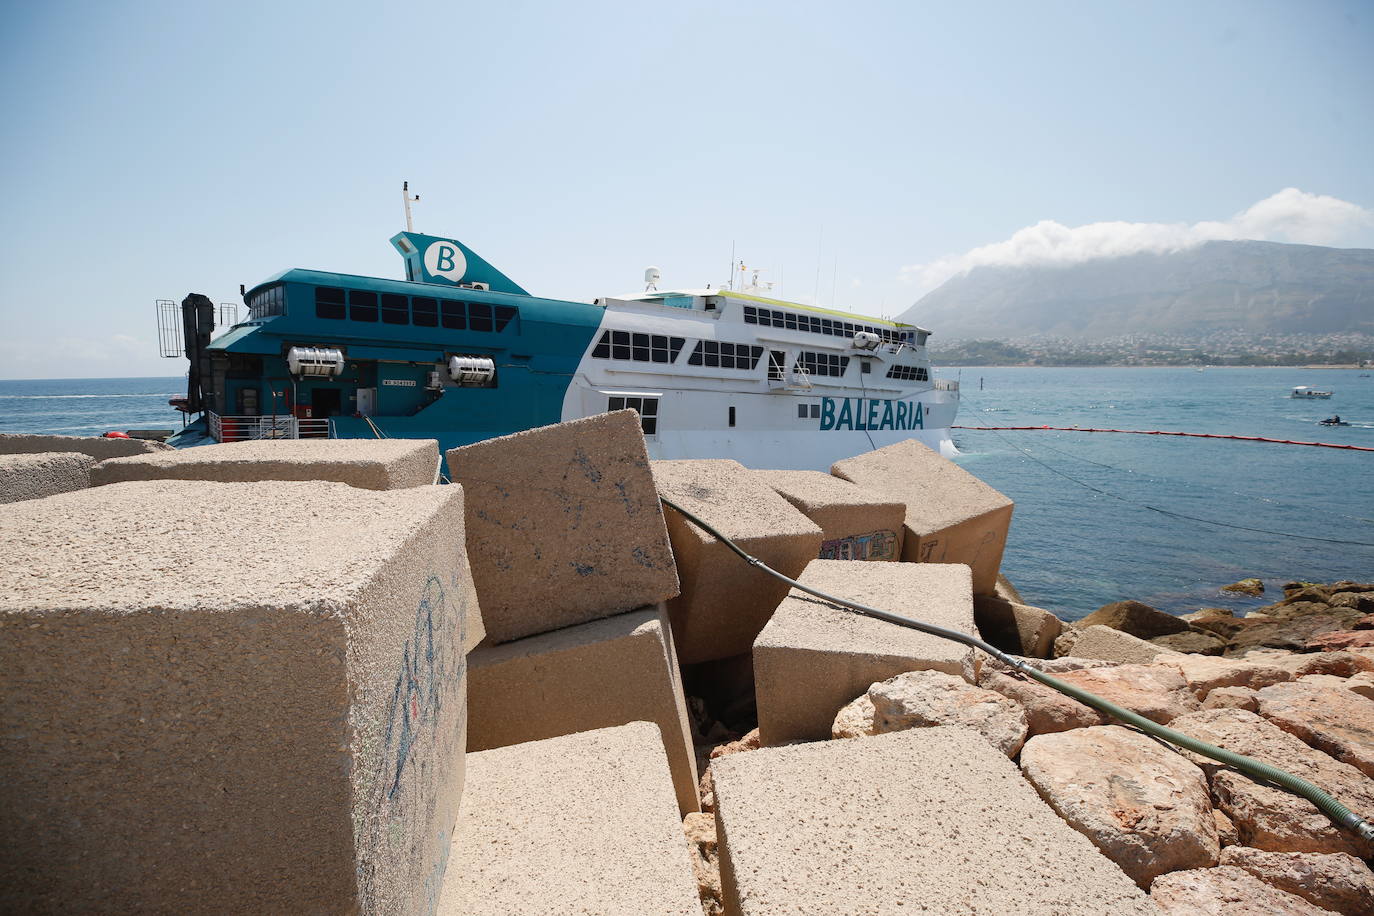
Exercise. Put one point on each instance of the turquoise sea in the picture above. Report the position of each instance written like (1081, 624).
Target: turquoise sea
(1099, 517)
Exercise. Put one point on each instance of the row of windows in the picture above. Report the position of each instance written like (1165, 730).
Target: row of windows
(809, 411)
(269, 302)
(720, 355)
(421, 311)
(643, 348)
(909, 373)
(648, 411)
(793, 321)
(822, 363)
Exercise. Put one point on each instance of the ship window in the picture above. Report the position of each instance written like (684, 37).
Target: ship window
(479, 316)
(647, 408)
(643, 348)
(909, 373)
(724, 355)
(791, 321)
(827, 326)
(395, 309)
(732, 415)
(504, 314)
(425, 312)
(803, 411)
(453, 314)
(751, 315)
(815, 411)
(865, 367)
(329, 302)
(831, 364)
(269, 302)
(362, 305)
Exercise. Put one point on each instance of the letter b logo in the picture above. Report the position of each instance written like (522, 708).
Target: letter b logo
(445, 259)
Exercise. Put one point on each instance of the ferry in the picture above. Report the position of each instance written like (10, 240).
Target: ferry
(459, 352)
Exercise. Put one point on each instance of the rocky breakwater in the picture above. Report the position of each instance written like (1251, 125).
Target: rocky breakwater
(1291, 684)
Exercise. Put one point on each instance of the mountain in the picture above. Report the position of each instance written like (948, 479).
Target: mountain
(1252, 287)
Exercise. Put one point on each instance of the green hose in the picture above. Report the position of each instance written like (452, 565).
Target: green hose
(1327, 804)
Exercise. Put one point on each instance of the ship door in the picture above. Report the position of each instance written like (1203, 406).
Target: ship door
(326, 402)
(777, 362)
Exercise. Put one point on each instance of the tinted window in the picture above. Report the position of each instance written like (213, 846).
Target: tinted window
(425, 312)
(329, 302)
(395, 309)
(479, 316)
(454, 314)
(362, 306)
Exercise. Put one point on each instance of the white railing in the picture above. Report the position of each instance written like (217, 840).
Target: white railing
(243, 429)
(798, 379)
(946, 384)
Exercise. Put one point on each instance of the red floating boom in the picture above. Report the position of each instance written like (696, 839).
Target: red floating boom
(1160, 432)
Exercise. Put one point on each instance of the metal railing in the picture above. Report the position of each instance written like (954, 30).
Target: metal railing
(946, 384)
(799, 379)
(243, 429)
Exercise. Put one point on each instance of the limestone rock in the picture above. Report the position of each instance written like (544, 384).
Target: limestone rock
(1016, 627)
(1292, 632)
(1246, 587)
(1336, 881)
(1207, 674)
(1268, 817)
(921, 699)
(1231, 698)
(1136, 618)
(1331, 719)
(1226, 831)
(1192, 641)
(1340, 664)
(1051, 665)
(1360, 601)
(1342, 639)
(1110, 645)
(855, 720)
(1143, 805)
(749, 742)
(1157, 692)
(700, 829)
(1362, 683)
(1047, 710)
(1324, 680)
(1225, 891)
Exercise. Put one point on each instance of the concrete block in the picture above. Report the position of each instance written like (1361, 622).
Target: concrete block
(933, 818)
(1110, 645)
(98, 447)
(583, 824)
(230, 698)
(40, 474)
(724, 601)
(564, 525)
(855, 524)
(951, 516)
(1015, 627)
(371, 464)
(814, 657)
(594, 675)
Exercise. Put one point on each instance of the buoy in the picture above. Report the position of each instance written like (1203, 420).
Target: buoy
(116, 434)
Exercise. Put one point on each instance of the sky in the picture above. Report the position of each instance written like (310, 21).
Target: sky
(860, 153)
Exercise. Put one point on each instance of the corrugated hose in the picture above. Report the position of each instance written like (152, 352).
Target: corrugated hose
(1326, 803)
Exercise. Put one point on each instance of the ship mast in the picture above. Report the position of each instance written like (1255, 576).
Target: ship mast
(406, 199)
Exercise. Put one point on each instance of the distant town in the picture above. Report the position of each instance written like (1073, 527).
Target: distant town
(1219, 348)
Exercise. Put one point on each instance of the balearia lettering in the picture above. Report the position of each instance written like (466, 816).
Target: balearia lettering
(870, 413)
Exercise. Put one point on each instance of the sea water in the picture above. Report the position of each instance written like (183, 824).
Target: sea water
(1099, 516)
(1102, 517)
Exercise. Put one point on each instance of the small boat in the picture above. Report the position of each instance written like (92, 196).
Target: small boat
(1332, 421)
(1303, 391)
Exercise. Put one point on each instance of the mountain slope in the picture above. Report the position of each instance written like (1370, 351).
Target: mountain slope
(1255, 287)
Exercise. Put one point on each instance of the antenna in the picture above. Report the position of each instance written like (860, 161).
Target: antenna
(651, 277)
(406, 198)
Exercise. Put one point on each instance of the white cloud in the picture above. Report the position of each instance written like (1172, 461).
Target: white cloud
(1288, 216)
